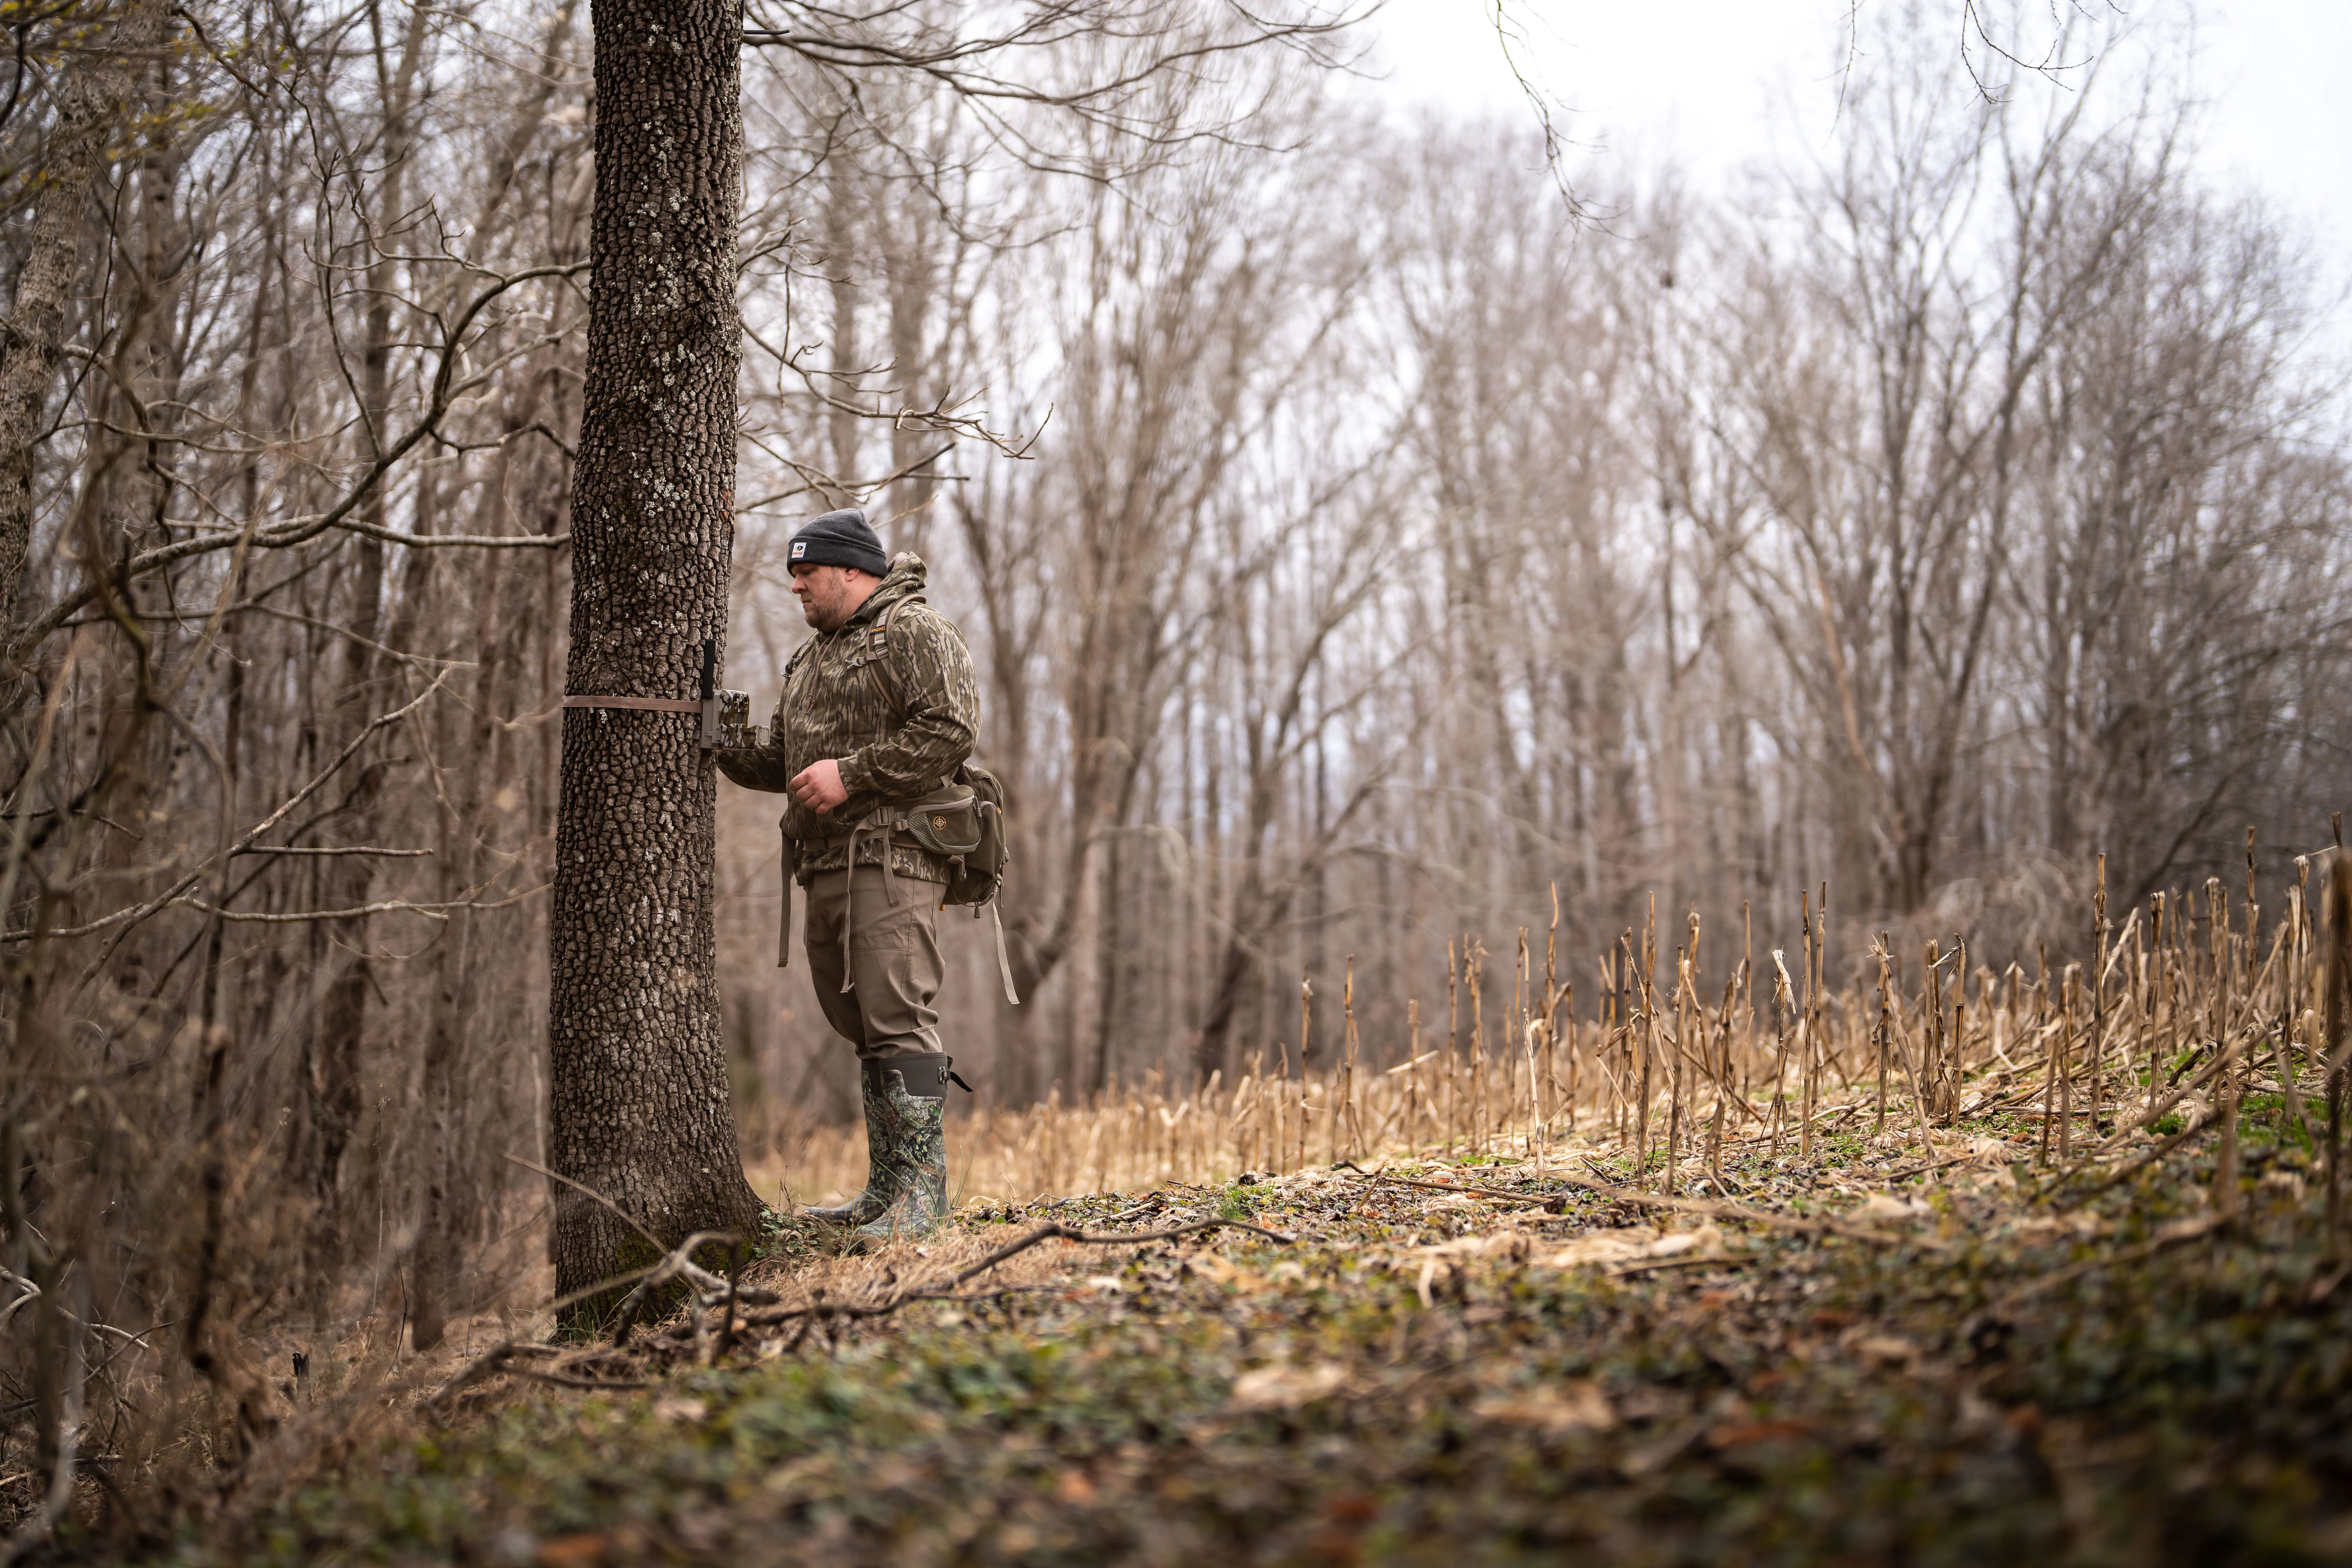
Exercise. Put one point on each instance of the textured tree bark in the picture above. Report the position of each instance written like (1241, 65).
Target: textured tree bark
(638, 1109)
(93, 99)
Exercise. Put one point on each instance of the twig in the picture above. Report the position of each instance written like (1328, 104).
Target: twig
(674, 1265)
(560, 1381)
(1719, 1260)
(333, 850)
(2118, 1174)
(133, 915)
(618, 1212)
(496, 1362)
(735, 1259)
(1150, 1203)
(1907, 1174)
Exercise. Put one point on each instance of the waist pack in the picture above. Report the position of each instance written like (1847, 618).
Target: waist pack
(962, 823)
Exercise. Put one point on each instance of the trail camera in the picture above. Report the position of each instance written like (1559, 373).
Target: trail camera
(726, 715)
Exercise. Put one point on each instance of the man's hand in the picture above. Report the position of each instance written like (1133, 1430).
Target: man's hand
(818, 786)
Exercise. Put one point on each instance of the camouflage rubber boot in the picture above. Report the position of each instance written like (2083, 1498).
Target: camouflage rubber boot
(880, 1184)
(913, 1091)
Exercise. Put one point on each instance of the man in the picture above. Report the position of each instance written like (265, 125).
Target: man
(877, 710)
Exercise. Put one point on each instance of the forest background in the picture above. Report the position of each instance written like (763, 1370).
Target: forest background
(1362, 537)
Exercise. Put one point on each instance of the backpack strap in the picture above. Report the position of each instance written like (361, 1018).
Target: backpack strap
(1003, 962)
(791, 874)
(892, 690)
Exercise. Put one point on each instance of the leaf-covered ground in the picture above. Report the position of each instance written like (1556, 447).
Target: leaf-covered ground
(1426, 1377)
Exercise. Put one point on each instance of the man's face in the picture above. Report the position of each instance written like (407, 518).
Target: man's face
(829, 596)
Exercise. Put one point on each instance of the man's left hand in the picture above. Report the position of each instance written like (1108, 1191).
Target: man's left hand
(818, 786)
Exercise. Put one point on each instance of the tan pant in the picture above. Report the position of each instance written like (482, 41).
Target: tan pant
(892, 955)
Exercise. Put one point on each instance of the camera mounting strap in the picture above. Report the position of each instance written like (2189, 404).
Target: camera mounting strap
(662, 704)
(656, 704)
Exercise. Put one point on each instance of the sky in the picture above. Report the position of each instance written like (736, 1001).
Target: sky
(1716, 83)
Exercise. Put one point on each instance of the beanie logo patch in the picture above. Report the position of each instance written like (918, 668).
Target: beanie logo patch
(800, 548)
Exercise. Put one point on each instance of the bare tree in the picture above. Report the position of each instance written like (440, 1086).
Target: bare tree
(639, 1119)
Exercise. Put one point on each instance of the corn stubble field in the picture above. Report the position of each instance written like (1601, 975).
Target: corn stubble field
(1950, 1264)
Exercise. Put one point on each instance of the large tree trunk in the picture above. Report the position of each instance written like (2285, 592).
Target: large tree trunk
(639, 1112)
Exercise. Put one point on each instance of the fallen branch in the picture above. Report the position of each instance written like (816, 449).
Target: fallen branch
(947, 1292)
(496, 1360)
(1717, 1260)
(1681, 1205)
(1047, 1233)
(2174, 1235)
(2117, 1173)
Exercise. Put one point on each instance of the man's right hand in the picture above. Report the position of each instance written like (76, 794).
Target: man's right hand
(818, 786)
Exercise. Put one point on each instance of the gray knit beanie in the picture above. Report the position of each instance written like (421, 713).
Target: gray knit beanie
(841, 538)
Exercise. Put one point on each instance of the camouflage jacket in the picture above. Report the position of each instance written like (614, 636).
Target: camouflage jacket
(898, 720)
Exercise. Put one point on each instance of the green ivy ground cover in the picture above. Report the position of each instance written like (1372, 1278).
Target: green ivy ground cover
(1974, 1395)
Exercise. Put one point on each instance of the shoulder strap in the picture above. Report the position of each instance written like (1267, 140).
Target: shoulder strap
(889, 616)
(891, 689)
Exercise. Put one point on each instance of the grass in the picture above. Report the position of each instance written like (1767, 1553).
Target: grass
(1419, 1378)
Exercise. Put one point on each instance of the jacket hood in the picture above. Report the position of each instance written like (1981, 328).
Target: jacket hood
(905, 580)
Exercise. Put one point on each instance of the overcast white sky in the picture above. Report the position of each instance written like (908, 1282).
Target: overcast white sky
(1713, 82)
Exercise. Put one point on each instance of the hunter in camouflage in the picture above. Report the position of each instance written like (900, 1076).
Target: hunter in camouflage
(879, 709)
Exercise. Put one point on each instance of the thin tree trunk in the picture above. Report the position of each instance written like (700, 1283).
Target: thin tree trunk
(350, 882)
(93, 101)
